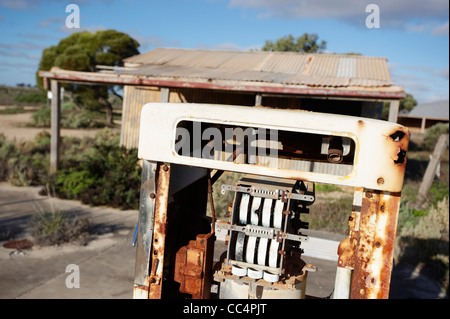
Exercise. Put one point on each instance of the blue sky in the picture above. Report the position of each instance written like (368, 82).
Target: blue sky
(413, 34)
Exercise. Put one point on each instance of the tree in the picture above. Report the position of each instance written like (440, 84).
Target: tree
(406, 104)
(82, 51)
(307, 43)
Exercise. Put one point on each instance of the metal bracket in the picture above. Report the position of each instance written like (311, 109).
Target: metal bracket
(268, 193)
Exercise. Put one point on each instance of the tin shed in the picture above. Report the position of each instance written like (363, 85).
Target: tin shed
(330, 83)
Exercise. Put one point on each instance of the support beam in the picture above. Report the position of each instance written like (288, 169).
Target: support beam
(258, 99)
(393, 111)
(55, 140)
(422, 125)
(165, 95)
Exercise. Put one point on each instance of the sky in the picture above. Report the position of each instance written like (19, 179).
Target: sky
(412, 34)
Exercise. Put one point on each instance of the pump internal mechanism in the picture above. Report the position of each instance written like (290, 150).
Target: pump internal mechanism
(263, 259)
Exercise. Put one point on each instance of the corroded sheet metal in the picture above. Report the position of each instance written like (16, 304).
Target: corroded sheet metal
(326, 70)
(145, 230)
(159, 233)
(193, 266)
(375, 246)
(347, 248)
(380, 152)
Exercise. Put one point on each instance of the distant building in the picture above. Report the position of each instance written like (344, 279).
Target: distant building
(425, 115)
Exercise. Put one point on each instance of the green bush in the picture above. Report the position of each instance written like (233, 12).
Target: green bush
(12, 109)
(24, 164)
(78, 119)
(41, 118)
(425, 239)
(35, 97)
(55, 228)
(69, 118)
(108, 174)
(7, 151)
(432, 135)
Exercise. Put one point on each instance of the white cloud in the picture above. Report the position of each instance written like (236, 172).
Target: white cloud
(425, 83)
(22, 46)
(441, 30)
(17, 4)
(35, 36)
(227, 46)
(92, 29)
(392, 13)
(147, 43)
(443, 73)
(33, 5)
(52, 20)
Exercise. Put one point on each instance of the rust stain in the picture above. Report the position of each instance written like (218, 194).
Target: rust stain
(160, 229)
(193, 266)
(399, 148)
(19, 244)
(346, 254)
(375, 247)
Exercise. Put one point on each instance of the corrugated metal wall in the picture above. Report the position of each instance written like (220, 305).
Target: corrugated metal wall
(136, 97)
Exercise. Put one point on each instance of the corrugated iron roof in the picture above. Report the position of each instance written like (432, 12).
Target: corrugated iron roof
(435, 110)
(317, 70)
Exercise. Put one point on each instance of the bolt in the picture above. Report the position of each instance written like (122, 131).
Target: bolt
(165, 168)
(152, 195)
(380, 181)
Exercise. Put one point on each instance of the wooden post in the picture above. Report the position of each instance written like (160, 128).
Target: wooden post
(258, 99)
(165, 95)
(393, 111)
(422, 125)
(428, 178)
(55, 125)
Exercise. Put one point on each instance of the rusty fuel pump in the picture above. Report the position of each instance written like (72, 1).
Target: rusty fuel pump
(281, 154)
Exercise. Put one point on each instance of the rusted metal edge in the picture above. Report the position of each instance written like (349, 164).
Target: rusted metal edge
(92, 77)
(380, 146)
(160, 230)
(145, 229)
(375, 245)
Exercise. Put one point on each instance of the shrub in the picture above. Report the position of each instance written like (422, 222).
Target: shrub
(24, 164)
(79, 119)
(55, 228)
(41, 118)
(7, 151)
(432, 135)
(426, 240)
(69, 118)
(36, 97)
(108, 174)
(13, 109)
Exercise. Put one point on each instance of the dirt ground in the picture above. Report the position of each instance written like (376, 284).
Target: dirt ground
(14, 127)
